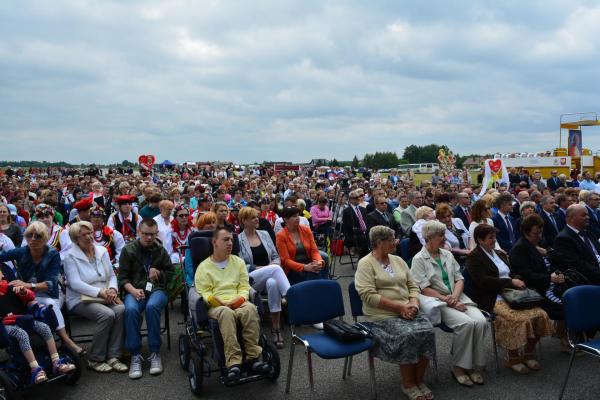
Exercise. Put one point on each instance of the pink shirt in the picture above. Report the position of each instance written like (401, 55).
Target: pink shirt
(319, 216)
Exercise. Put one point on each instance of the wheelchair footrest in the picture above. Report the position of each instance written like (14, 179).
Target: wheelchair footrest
(244, 379)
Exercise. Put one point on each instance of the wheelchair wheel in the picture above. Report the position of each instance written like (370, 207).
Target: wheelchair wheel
(271, 356)
(196, 373)
(72, 377)
(8, 390)
(184, 351)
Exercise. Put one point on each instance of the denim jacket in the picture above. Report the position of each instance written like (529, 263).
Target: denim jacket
(46, 271)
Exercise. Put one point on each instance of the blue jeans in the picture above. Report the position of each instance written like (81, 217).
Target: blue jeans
(153, 306)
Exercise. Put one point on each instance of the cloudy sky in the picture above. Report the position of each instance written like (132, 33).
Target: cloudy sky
(104, 81)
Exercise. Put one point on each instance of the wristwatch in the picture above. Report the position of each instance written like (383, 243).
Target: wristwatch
(33, 286)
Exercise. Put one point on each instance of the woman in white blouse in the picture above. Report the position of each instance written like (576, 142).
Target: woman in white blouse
(92, 293)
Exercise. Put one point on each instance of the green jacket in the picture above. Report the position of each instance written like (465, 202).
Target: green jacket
(132, 270)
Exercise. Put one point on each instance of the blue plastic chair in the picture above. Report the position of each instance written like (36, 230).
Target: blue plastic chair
(581, 305)
(405, 251)
(312, 302)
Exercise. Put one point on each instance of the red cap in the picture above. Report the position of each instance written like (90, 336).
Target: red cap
(125, 199)
(84, 204)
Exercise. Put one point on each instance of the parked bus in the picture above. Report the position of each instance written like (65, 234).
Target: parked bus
(424, 168)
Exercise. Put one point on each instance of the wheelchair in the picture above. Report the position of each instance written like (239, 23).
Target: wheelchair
(201, 351)
(15, 372)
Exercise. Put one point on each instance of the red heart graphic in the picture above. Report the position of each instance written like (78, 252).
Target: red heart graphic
(147, 160)
(495, 165)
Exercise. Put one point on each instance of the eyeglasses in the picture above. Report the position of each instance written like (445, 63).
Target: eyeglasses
(33, 236)
(183, 215)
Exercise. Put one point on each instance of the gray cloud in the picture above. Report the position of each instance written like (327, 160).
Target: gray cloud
(107, 80)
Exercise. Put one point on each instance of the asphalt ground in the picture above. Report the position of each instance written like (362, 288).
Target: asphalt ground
(173, 383)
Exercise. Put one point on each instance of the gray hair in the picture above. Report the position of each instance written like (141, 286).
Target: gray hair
(75, 229)
(422, 212)
(432, 228)
(380, 233)
(546, 199)
(527, 204)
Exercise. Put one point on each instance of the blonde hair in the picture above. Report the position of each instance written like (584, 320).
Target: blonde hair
(75, 229)
(247, 213)
(37, 227)
(422, 212)
(165, 203)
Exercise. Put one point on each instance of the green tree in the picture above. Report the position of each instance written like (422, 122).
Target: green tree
(423, 154)
(334, 163)
(355, 163)
(386, 159)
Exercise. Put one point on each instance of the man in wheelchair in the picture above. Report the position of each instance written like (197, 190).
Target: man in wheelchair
(222, 281)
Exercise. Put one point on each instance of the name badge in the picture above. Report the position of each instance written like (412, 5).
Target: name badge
(149, 286)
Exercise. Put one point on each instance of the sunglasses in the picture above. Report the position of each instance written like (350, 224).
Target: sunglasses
(44, 214)
(34, 236)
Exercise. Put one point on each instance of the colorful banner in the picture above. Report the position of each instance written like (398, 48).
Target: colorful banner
(575, 143)
(495, 174)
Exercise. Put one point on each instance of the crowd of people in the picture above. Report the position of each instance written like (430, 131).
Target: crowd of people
(110, 247)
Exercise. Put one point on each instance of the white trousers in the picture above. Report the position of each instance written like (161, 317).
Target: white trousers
(470, 328)
(56, 306)
(271, 279)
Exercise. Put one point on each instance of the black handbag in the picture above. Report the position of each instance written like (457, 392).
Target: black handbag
(572, 278)
(343, 331)
(522, 299)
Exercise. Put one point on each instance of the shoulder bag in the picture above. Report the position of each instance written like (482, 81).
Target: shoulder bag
(522, 299)
(343, 331)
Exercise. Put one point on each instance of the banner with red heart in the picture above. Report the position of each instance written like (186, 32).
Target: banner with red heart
(495, 165)
(147, 160)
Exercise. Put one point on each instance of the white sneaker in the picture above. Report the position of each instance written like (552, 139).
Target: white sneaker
(155, 364)
(318, 326)
(135, 368)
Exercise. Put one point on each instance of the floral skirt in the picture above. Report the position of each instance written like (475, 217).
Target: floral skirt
(514, 327)
(402, 341)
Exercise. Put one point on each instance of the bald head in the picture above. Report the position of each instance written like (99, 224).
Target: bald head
(522, 196)
(577, 216)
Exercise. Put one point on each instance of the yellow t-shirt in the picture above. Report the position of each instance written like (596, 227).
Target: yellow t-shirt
(224, 283)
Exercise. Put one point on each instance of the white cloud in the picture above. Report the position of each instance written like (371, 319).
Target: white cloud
(249, 81)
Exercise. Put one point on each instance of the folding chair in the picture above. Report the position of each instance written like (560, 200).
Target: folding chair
(581, 305)
(311, 302)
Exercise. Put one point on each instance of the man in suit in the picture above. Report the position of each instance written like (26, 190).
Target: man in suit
(548, 214)
(507, 234)
(575, 248)
(554, 181)
(563, 202)
(522, 197)
(591, 200)
(408, 216)
(354, 225)
(463, 209)
(381, 216)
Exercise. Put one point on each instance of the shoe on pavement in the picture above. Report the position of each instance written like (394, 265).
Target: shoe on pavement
(156, 367)
(135, 368)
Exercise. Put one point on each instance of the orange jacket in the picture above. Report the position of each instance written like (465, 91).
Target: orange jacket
(286, 247)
